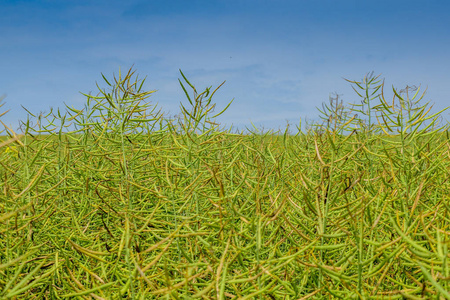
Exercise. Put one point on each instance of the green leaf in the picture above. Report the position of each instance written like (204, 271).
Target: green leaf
(185, 92)
(106, 80)
(185, 79)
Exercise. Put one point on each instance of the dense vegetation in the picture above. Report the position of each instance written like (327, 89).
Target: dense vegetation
(131, 204)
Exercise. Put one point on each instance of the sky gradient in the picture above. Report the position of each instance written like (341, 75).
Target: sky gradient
(280, 59)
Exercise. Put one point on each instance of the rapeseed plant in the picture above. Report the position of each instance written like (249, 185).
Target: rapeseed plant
(116, 200)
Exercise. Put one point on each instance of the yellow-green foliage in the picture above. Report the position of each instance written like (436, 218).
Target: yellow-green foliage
(132, 206)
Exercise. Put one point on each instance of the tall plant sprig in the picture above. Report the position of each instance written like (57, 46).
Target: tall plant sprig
(363, 116)
(120, 108)
(120, 111)
(368, 89)
(118, 114)
(198, 117)
(405, 116)
(335, 115)
(195, 123)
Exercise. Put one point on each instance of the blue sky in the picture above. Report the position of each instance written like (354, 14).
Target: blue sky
(280, 59)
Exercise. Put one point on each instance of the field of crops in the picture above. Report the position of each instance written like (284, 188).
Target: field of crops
(129, 204)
